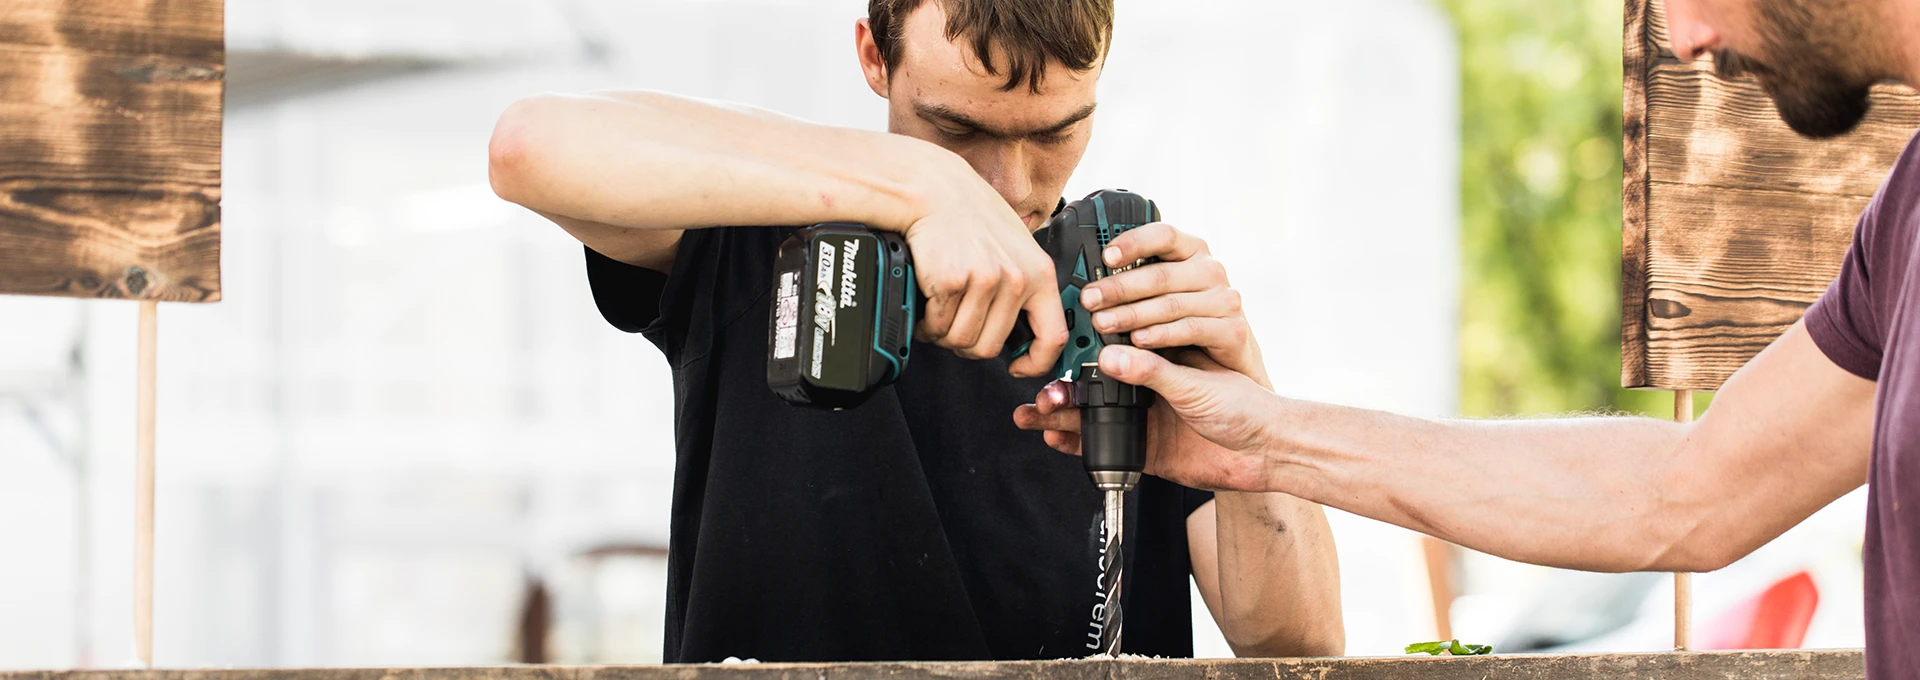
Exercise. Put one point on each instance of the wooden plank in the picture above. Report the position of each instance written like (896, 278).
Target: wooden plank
(110, 115)
(1733, 223)
(1767, 665)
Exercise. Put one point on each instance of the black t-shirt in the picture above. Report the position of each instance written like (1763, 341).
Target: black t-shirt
(921, 525)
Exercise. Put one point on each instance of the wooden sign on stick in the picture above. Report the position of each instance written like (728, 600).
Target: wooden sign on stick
(110, 148)
(1734, 223)
(110, 116)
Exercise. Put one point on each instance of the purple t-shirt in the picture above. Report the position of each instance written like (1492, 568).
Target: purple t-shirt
(1868, 323)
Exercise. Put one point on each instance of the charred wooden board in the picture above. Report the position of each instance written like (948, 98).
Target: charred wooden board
(110, 148)
(1733, 223)
(1768, 665)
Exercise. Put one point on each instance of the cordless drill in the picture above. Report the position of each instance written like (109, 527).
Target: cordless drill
(845, 303)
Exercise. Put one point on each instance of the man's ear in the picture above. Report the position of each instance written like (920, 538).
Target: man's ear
(871, 63)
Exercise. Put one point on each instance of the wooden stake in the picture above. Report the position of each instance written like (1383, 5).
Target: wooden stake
(1440, 584)
(143, 486)
(1682, 582)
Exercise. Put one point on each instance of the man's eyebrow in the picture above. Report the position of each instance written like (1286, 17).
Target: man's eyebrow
(957, 118)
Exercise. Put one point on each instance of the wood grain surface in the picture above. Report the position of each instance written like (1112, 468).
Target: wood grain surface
(1770, 665)
(1733, 223)
(110, 148)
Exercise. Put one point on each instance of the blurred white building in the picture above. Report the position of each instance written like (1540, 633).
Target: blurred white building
(406, 408)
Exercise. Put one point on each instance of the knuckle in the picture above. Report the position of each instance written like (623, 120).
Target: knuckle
(1233, 301)
(984, 282)
(1157, 234)
(1173, 306)
(1161, 276)
(950, 282)
(1216, 271)
(1015, 281)
(1241, 332)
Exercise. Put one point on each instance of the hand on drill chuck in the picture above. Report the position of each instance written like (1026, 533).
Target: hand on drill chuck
(1183, 301)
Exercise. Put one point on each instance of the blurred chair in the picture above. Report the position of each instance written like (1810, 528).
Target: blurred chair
(1777, 618)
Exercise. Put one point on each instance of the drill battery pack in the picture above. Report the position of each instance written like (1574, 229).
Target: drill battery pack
(844, 308)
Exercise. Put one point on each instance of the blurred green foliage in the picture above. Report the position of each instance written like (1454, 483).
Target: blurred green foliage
(1540, 182)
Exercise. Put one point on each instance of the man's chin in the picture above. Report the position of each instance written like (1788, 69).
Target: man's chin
(1830, 112)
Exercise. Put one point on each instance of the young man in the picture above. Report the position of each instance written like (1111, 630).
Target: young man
(1833, 403)
(910, 527)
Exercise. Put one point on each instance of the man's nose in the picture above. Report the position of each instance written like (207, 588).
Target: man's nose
(1005, 169)
(1688, 33)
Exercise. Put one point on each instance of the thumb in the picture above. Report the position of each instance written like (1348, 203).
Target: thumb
(1177, 384)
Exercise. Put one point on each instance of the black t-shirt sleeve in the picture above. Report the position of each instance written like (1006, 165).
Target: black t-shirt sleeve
(628, 296)
(1192, 499)
(718, 274)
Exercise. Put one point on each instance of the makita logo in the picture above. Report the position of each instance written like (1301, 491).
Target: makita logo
(847, 275)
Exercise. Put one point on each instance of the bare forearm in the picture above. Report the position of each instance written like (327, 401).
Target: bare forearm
(1279, 576)
(1605, 494)
(647, 160)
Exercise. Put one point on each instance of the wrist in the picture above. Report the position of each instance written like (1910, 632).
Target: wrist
(921, 176)
(1280, 450)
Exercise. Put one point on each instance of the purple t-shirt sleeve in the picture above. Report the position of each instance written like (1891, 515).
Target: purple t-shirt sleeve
(1844, 323)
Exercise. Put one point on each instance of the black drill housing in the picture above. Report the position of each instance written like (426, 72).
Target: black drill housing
(1113, 414)
(844, 306)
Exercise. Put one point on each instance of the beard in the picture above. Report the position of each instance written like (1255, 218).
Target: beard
(1812, 73)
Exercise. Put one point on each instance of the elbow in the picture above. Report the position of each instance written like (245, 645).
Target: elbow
(1700, 555)
(513, 151)
(1694, 546)
(1311, 631)
(1322, 638)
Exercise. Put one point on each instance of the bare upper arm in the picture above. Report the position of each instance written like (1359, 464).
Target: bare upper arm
(1786, 435)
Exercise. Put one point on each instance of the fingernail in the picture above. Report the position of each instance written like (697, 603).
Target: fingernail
(1117, 360)
(1090, 298)
(1103, 320)
(1142, 335)
(1112, 256)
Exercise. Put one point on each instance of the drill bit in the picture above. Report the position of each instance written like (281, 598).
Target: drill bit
(1113, 561)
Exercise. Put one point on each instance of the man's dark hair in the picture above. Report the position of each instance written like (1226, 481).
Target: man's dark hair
(1031, 32)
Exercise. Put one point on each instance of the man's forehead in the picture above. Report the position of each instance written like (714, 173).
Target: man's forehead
(944, 75)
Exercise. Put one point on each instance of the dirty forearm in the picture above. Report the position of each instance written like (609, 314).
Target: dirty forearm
(1279, 578)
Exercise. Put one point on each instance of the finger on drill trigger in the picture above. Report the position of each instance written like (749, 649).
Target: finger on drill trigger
(1158, 239)
(1218, 302)
(1154, 280)
(1049, 323)
(1001, 317)
(941, 308)
(969, 317)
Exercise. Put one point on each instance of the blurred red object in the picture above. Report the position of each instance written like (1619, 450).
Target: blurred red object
(1774, 619)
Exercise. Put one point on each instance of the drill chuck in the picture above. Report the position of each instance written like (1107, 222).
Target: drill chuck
(1113, 429)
